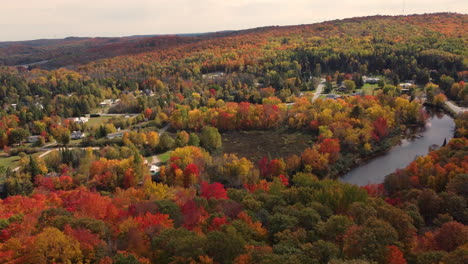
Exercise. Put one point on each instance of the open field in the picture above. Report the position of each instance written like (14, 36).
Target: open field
(368, 89)
(164, 157)
(9, 162)
(258, 144)
(97, 121)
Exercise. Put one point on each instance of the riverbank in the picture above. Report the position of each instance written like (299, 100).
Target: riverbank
(373, 169)
(363, 160)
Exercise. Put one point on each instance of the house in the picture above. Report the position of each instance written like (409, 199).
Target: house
(39, 105)
(106, 103)
(406, 85)
(79, 120)
(77, 135)
(154, 169)
(370, 80)
(213, 75)
(33, 139)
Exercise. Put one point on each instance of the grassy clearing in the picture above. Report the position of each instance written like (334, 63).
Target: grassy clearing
(95, 122)
(9, 162)
(164, 157)
(258, 144)
(368, 89)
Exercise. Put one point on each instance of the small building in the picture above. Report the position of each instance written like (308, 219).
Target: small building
(77, 135)
(33, 139)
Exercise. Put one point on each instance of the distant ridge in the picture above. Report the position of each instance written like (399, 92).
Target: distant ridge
(70, 51)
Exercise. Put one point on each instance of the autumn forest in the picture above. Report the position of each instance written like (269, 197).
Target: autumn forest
(231, 147)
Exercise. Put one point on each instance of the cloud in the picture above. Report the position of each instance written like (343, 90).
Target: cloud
(31, 19)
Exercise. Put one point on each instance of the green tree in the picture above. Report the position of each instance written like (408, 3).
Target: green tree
(194, 140)
(18, 135)
(211, 139)
(224, 247)
(350, 85)
(166, 142)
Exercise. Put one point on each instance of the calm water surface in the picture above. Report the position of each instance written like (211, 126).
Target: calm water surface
(439, 127)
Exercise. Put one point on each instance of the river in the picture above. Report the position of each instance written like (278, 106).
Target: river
(439, 126)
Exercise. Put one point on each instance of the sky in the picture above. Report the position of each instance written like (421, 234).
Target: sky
(35, 19)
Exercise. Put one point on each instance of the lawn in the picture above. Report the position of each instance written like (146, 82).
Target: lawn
(9, 162)
(369, 88)
(97, 121)
(257, 144)
(164, 157)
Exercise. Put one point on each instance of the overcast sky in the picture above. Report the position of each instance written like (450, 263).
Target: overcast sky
(33, 19)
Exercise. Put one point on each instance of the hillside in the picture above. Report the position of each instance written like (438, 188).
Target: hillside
(73, 51)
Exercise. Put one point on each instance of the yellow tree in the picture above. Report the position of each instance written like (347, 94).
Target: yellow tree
(153, 139)
(53, 246)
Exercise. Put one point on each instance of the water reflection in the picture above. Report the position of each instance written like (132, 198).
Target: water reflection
(439, 127)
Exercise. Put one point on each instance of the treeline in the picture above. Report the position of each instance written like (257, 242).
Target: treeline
(411, 218)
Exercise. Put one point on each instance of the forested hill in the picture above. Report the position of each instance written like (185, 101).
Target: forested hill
(443, 31)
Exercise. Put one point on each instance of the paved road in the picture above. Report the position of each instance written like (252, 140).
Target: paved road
(455, 108)
(320, 88)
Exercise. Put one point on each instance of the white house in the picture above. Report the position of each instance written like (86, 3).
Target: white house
(154, 169)
(79, 120)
